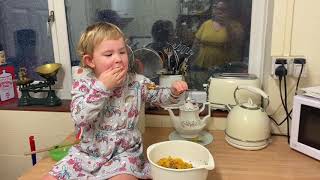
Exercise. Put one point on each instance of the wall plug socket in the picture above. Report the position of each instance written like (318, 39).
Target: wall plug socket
(290, 66)
(297, 64)
(276, 64)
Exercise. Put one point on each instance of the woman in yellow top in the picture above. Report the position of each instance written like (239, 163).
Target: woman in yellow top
(219, 38)
(218, 41)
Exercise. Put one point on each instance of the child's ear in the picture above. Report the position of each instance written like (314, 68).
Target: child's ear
(88, 60)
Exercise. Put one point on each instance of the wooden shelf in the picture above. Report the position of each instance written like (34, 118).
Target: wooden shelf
(64, 107)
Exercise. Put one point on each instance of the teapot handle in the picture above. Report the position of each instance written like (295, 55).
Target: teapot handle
(251, 89)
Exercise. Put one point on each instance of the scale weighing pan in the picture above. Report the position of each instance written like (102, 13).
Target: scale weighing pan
(48, 71)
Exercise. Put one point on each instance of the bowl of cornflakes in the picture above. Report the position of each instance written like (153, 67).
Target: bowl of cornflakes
(179, 159)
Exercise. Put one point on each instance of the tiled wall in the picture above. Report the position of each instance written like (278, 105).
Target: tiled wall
(49, 128)
(16, 127)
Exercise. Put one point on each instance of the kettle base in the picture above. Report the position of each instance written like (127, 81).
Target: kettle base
(247, 145)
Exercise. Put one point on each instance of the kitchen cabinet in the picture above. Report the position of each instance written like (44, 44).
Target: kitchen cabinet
(276, 161)
(48, 128)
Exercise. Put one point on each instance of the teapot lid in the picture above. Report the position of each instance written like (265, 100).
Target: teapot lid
(249, 105)
(189, 106)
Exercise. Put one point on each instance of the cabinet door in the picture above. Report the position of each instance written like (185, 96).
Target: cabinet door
(305, 37)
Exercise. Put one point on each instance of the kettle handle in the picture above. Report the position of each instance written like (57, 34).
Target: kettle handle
(254, 90)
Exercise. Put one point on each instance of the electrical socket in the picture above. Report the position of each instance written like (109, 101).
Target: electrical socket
(297, 65)
(290, 65)
(293, 68)
(275, 65)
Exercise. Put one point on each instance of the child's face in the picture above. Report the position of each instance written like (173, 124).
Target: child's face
(110, 54)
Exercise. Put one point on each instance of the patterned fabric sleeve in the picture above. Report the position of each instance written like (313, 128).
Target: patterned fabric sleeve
(88, 97)
(158, 97)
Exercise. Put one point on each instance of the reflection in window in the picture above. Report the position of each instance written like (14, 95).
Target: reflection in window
(23, 35)
(195, 38)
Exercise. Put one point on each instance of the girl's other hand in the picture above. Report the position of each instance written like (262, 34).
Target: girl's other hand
(178, 87)
(113, 78)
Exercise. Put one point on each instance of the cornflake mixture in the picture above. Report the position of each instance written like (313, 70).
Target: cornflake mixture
(174, 163)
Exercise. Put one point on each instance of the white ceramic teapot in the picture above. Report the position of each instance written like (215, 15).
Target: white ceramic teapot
(189, 124)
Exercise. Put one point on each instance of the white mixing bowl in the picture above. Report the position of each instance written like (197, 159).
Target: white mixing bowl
(196, 154)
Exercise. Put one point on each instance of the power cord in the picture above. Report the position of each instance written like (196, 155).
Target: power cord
(281, 72)
(284, 119)
(296, 61)
(301, 61)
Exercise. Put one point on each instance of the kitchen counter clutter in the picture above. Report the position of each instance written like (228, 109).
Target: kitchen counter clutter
(277, 161)
(65, 107)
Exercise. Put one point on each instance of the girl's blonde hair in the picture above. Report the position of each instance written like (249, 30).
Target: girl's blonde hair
(94, 35)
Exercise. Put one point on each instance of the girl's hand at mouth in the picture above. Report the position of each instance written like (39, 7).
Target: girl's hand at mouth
(113, 78)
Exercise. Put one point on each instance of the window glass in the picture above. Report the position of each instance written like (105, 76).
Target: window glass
(23, 34)
(193, 38)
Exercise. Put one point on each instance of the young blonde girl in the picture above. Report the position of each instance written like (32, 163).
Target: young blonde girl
(106, 100)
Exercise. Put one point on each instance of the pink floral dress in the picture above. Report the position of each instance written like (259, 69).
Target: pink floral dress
(110, 143)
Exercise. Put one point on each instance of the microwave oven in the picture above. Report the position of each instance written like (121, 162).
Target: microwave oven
(305, 126)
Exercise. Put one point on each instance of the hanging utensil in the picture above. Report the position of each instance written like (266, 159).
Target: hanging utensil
(184, 65)
(169, 53)
(50, 148)
(176, 67)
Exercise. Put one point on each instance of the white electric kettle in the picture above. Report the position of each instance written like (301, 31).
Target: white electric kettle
(248, 125)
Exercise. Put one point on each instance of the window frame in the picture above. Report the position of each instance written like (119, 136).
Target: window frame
(258, 34)
(61, 46)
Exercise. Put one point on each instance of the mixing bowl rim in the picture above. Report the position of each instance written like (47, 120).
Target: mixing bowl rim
(175, 141)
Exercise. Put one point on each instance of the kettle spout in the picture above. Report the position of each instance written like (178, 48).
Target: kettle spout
(228, 107)
(205, 119)
(173, 117)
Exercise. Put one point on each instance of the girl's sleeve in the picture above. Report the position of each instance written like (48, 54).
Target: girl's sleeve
(158, 97)
(88, 98)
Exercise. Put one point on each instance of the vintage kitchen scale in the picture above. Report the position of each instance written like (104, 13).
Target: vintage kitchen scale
(26, 85)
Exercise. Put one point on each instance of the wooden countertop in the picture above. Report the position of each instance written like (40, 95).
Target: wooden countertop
(276, 162)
